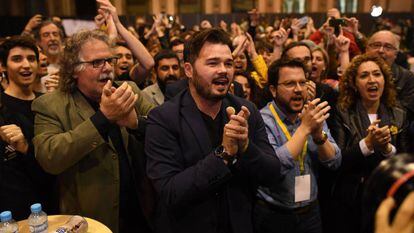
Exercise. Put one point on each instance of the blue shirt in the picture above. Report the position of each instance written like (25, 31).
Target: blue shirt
(282, 193)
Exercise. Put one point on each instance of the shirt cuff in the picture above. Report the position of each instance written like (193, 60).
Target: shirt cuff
(364, 148)
(101, 123)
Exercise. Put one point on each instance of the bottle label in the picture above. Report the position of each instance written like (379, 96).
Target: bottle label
(42, 228)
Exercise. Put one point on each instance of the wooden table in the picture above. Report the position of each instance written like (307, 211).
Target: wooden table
(56, 221)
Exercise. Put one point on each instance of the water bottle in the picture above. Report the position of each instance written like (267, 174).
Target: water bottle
(8, 225)
(37, 219)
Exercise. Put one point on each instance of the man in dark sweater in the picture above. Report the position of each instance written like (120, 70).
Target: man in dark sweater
(22, 181)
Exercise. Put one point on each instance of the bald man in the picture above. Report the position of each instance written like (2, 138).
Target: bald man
(386, 44)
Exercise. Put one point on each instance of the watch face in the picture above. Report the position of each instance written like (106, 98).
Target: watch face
(219, 150)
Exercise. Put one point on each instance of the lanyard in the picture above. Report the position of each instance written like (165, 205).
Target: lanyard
(287, 134)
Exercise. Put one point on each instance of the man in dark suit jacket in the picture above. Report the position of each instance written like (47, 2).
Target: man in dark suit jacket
(204, 166)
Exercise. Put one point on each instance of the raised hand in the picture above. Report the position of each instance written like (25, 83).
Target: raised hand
(13, 135)
(109, 13)
(382, 139)
(106, 7)
(295, 26)
(116, 103)
(254, 16)
(235, 134)
(35, 21)
(223, 25)
(52, 83)
(353, 24)
(241, 42)
(341, 42)
(378, 138)
(250, 47)
(313, 116)
(237, 130)
(205, 24)
(311, 89)
(99, 20)
(280, 36)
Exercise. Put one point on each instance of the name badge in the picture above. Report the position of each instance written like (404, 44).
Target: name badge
(302, 188)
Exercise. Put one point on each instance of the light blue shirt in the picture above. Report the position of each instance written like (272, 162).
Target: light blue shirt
(282, 193)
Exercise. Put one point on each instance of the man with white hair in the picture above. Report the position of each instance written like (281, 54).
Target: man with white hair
(81, 136)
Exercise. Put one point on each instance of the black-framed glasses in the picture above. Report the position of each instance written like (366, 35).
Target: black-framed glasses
(99, 63)
(387, 47)
(292, 84)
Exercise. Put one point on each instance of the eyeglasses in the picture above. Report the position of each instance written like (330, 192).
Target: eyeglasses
(99, 63)
(387, 47)
(291, 84)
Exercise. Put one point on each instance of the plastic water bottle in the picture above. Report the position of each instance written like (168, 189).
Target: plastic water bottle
(37, 219)
(8, 225)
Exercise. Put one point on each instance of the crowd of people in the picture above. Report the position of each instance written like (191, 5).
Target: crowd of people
(257, 127)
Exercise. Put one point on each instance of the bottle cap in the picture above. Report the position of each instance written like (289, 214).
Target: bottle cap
(5, 216)
(36, 208)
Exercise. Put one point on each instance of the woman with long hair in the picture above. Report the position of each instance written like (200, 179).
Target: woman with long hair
(368, 127)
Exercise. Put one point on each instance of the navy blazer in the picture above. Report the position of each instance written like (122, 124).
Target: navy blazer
(187, 175)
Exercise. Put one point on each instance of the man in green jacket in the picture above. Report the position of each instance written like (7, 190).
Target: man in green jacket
(83, 134)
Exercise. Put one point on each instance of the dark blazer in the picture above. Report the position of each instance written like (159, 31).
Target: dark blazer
(187, 175)
(356, 168)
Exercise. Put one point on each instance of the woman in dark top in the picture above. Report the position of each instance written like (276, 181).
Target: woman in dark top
(22, 180)
(369, 127)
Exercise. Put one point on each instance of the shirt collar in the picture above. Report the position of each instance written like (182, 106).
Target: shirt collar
(283, 116)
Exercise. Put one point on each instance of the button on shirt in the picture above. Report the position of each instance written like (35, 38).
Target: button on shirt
(282, 193)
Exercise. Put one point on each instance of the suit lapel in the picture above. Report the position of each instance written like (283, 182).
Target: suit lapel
(157, 94)
(85, 110)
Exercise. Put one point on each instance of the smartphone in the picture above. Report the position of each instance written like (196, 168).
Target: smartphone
(335, 23)
(303, 21)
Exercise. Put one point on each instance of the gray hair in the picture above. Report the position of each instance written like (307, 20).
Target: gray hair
(396, 37)
(69, 63)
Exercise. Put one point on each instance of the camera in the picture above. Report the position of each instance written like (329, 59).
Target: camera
(335, 23)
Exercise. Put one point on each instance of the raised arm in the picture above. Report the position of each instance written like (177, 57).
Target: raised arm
(144, 58)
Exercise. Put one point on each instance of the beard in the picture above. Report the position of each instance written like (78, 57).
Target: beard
(205, 91)
(162, 83)
(286, 106)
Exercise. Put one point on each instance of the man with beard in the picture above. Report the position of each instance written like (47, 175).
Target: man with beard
(302, 142)
(49, 37)
(204, 158)
(167, 68)
(302, 52)
(81, 136)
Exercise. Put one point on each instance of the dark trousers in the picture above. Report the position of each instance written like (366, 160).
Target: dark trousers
(268, 219)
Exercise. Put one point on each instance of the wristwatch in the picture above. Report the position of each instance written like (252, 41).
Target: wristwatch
(322, 140)
(221, 152)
